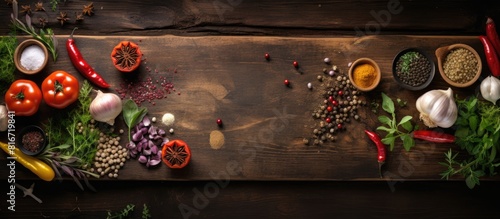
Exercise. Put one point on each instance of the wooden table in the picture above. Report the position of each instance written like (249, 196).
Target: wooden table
(217, 49)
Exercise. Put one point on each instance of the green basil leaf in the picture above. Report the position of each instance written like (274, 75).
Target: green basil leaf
(473, 120)
(408, 142)
(385, 120)
(405, 119)
(388, 140)
(471, 180)
(129, 111)
(387, 104)
(407, 126)
(383, 128)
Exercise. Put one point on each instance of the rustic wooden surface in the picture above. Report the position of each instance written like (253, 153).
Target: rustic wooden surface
(221, 72)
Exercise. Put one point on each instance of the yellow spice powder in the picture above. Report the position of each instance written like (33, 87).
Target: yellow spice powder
(364, 75)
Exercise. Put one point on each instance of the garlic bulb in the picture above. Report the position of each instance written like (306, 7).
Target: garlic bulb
(437, 108)
(105, 107)
(4, 118)
(490, 89)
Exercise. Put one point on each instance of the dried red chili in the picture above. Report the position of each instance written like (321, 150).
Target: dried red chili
(176, 154)
(81, 65)
(433, 136)
(491, 56)
(380, 149)
(492, 35)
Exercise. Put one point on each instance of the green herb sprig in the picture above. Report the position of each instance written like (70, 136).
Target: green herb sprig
(53, 4)
(69, 149)
(122, 214)
(478, 133)
(46, 36)
(7, 67)
(391, 126)
(132, 114)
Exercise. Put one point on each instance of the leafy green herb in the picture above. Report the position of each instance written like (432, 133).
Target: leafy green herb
(478, 133)
(53, 4)
(122, 214)
(46, 36)
(7, 67)
(402, 103)
(72, 143)
(392, 126)
(406, 60)
(145, 212)
(132, 114)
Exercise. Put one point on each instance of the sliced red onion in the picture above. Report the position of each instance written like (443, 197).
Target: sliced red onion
(153, 162)
(142, 159)
(137, 136)
(154, 149)
(146, 152)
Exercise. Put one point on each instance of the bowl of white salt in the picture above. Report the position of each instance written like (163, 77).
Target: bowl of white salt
(31, 56)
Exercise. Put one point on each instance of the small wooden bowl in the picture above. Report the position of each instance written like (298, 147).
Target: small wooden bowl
(441, 54)
(19, 51)
(365, 61)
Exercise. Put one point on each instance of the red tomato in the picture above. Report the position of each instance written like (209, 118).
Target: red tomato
(60, 89)
(176, 154)
(23, 97)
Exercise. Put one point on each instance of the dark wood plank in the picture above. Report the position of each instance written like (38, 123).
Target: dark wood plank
(282, 18)
(263, 200)
(228, 78)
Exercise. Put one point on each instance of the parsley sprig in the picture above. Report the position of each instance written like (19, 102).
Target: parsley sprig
(392, 126)
(478, 134)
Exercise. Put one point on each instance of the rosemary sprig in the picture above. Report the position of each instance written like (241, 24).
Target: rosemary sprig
(46, 36)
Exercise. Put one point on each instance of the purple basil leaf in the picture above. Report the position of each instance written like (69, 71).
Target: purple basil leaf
(142, 159)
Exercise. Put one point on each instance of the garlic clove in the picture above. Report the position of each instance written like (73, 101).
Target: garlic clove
(490, 89)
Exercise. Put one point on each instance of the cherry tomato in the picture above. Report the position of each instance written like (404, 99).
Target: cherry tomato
(60, 89)
(176, 154)
(23, 97)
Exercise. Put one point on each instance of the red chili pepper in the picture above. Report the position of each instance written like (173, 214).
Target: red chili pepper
(81, 65)
(433, 136)
(491, 56)
(492, 35)
(380, 148)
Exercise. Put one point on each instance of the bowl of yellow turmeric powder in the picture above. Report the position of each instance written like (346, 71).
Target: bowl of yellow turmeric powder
(364, 74)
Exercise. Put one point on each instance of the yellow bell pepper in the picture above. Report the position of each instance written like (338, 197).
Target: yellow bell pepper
(38, 167)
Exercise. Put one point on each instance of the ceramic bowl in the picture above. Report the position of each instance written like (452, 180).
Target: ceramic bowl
(19, 52)
(361, 61)
(441, 54)
(432, 72)
(30, 130)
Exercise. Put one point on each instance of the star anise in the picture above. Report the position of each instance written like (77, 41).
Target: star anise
(39, 7)
(9, 2)
(126, 57)
(63, 18)
(176, 154)
(88, 9)
(42, 21)
(26, 9)
(79, 16)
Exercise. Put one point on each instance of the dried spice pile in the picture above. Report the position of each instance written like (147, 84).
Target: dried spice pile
(338, 107)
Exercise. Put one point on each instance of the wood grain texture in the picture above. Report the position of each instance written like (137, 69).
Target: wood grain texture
(265, 121)
(263, 200)
(271, 18)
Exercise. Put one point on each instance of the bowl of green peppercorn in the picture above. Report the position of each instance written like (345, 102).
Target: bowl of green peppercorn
(413, 69)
